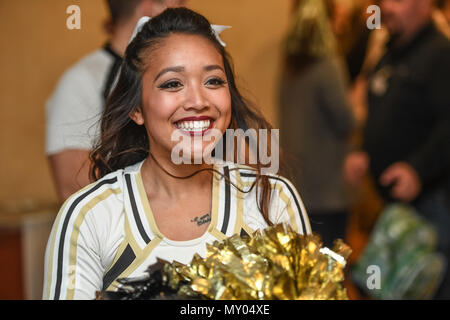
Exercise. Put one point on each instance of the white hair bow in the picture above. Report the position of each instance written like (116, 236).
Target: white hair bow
(216, 28)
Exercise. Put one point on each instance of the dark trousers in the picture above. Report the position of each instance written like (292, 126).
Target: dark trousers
(330, 225)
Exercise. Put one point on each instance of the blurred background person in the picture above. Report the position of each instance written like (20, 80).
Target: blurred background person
(75, 107)
(316, 119)
(348, 20)
(406, 141)
(359, 47)
(445, 8)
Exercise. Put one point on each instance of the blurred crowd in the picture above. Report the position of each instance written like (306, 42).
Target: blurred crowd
(366, 108)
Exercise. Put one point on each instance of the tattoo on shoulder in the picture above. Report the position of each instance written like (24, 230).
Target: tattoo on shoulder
(202, 220)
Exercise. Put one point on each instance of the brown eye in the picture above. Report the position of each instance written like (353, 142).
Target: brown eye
(172, 84)
(215, 82)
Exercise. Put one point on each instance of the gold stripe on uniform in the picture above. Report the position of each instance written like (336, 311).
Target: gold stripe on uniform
(140, 258)
(145, 203)
(239, 204)
(142, 255)
(129, 239)
(304, 219)
(247, 229)
(290, 211)
(53, 237)
(50, 254)
(214, 203)
(147, 208)
(76, 231)
(119, 252)
(219, 235)
(283, 196)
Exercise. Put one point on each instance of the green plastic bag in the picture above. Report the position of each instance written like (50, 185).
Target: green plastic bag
(401, 252)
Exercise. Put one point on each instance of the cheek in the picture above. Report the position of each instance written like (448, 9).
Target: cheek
(228, 111)
(160, 108)
(223, 102)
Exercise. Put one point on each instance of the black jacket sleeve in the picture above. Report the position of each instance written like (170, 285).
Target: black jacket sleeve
(432, 160)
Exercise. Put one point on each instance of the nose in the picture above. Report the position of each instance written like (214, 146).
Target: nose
(196, 97)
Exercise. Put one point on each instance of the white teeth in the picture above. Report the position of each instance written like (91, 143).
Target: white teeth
(193, 125)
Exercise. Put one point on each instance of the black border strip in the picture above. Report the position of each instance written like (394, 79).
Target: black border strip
(64, 229)
(300, 211)
(120, 266)
(139, 224)
(244, 233)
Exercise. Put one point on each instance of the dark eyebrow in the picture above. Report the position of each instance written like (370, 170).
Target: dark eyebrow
(181, 69)
(169, 69)
(213, 67)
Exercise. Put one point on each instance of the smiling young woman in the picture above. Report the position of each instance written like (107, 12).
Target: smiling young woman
(186, 84)
(176, 78)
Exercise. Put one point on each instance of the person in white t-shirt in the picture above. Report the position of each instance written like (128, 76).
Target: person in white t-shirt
(176, 80)
(76, 105)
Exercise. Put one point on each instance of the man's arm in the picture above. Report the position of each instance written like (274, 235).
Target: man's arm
(70, 170)
(73, 112)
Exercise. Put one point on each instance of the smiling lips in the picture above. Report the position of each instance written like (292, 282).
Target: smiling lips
(195, 125)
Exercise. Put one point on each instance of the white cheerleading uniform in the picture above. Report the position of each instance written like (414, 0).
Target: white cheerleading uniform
(107, 230)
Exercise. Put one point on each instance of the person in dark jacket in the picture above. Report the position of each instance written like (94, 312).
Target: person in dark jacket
(406, 144)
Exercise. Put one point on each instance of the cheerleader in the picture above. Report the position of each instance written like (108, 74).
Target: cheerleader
(176, 79)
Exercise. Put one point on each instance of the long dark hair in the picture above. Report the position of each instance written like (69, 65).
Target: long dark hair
(122, 142)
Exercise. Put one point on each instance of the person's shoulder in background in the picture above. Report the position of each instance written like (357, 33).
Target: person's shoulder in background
(75, 105)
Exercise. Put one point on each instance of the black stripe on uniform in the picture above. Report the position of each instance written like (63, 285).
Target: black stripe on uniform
(120, 266)
(300, 212)
(244, 233)
(64, 230)
(135, 210)
(226, 216)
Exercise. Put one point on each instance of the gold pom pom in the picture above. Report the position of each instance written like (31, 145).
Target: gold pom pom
(276, 263)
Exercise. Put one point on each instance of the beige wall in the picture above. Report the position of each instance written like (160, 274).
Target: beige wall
(36, 47)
